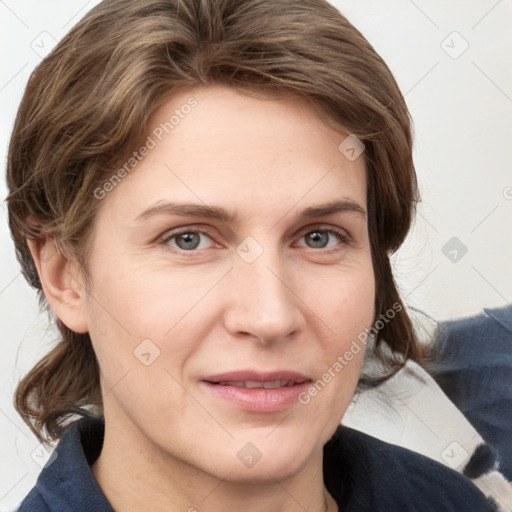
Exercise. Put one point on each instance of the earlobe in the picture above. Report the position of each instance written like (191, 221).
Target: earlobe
(62, 283)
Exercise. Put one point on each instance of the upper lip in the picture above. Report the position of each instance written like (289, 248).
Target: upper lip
(257, 376)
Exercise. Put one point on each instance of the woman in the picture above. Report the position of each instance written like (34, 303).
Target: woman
(207, 194)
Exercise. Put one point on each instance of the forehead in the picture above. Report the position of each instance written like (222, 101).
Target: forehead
(217, 145)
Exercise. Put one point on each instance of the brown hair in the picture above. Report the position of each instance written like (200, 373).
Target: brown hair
(86, 107)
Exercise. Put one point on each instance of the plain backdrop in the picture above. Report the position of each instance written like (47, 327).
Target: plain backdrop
(452, 62)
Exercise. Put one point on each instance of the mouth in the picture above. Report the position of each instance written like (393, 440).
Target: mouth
(253, 391)
(253, 384)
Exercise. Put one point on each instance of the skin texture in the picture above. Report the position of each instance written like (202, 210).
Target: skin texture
(168, 441)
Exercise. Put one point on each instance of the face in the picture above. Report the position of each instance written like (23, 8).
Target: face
(211, 320)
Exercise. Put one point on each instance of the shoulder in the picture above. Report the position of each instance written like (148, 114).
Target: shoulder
(66, 483)
(379, 476)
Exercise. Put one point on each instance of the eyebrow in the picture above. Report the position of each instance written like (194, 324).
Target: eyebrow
(231, 217)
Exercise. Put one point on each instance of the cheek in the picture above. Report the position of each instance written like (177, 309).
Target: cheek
(345, 313)
(343, 300)
(145, 303)
(133, 312)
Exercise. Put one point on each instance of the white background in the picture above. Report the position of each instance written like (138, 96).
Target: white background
(462, 109)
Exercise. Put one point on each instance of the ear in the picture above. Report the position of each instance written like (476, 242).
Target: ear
(62, 283)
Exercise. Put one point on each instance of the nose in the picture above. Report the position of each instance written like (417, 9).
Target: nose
(263, 303)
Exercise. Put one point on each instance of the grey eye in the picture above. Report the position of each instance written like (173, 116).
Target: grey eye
(319, 239)
(188, 241)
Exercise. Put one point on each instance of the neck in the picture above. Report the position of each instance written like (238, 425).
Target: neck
(141, 478)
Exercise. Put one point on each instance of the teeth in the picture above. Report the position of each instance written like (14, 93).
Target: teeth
(251, 384)
(274, 384)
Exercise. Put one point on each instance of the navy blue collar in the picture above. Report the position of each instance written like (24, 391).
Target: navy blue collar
(362, 473)
(68, 484)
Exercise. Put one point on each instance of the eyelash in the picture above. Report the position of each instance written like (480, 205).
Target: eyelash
(342, 235)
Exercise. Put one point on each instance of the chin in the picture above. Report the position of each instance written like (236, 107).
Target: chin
(265, 460)
(280, 468)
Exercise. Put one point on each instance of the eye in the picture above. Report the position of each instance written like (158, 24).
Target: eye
(321, 238)
(192, 240)
(188, 240)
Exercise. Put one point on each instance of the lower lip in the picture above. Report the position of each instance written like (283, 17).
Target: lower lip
(258, 399)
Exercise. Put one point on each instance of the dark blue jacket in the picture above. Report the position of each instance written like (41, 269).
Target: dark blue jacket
(362, 473)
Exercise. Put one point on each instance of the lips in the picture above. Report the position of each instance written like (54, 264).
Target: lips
(253, 391)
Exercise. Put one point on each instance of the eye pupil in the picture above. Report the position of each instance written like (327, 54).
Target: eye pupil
(191, 240)
(318, 238)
